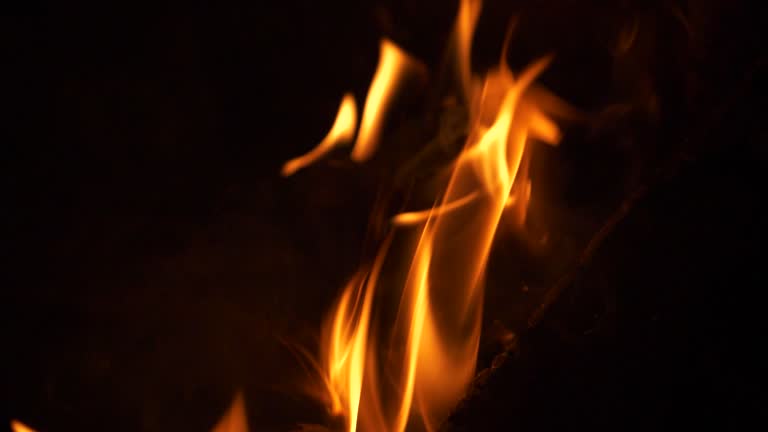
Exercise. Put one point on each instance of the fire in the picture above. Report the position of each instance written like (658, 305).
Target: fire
(346, 345)
(17, 426)
(464, 29)
(343, 130)
(234, 420)
(394, 65)
(392, 373)
(430, 355)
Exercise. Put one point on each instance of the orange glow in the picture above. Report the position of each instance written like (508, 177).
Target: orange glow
(234, 420)
(412, 377)
(394, 65)
(342, 131)
(17, 426)
(464, 29)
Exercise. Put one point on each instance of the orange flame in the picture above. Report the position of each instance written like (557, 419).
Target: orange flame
(346, 343)
(464, 29)
(436, 332)
(17, 426)
(343, 130)
(394, 66)
(234, 420)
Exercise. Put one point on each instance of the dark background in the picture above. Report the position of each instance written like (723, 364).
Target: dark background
(156, 258)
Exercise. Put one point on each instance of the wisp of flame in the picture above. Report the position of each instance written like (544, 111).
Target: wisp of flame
(343, 130)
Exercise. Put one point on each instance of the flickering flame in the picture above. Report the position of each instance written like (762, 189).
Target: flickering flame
(17, 426)
(342, 131)
(430, 354)
(393, 68)
(234, 420)
(394, 65)
(464, 29)
(346, 343)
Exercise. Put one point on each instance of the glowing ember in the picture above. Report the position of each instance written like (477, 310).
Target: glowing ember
(430, 355)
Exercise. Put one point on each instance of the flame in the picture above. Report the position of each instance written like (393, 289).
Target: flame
(420, 372)
(17, 426)
(415, 378)
(394, 65)
(234, 420)
(343, 130)
(464, 29)
(393, 68)
(347, 341)
(450, 259)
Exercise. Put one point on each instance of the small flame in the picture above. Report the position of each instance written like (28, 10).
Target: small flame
(464, 29)
(436, 332)
(394, 65)
(17, 426)
(347, 341)
(342, 131)
(234, 420)
(393, 68)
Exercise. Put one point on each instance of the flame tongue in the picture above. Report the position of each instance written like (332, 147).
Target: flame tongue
(431, 355)
(449, 262)
(342, 131)
(234, 420)
(17, 426)
(394, 66)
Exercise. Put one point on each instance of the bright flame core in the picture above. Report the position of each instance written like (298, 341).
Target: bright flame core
(417, 376)
(343, 130)
(394, 66)
(17, 426)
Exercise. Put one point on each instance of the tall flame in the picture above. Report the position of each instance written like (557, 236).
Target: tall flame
(346, 343)
(464, 29)
(431, 354)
